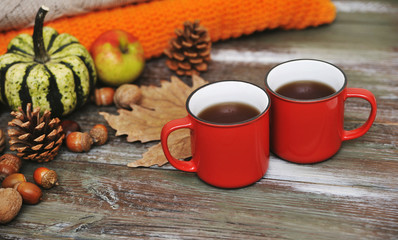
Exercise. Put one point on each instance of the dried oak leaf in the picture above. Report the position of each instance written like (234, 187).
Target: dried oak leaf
(144, 123)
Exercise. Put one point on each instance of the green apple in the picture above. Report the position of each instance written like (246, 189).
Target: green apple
(118, 57)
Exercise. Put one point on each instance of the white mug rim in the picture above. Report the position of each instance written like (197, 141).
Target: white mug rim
(344, 85)
(263, 112)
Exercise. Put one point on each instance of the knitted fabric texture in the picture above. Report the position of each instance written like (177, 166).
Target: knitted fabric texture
(16, 14)
(153, 23)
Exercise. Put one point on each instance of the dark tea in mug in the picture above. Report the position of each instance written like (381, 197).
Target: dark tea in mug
(305, 89)
(228, 112)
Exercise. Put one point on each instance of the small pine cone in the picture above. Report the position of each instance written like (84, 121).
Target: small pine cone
(34, 137)
(2, 141)
(189, 52)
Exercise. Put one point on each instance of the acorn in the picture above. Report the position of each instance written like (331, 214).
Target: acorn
(30, 192)
(9, 164)
(104, 96)
(13, 179)
(45, 177)
(99, 134)
(69, 126)
(79, 142)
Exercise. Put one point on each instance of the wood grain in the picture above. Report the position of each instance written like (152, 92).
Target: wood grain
(353, 195)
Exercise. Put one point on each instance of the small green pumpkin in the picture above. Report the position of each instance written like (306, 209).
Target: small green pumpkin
(50, 70)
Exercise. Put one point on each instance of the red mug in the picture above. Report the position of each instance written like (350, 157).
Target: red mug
(310, 131)
(226, 155)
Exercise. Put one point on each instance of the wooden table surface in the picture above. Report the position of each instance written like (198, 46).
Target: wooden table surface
(353, 195)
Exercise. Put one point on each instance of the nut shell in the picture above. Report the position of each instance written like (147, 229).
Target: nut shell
(126, 95)
(10, 204)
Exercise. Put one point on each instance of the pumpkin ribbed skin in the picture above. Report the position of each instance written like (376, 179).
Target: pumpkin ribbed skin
(60, 85)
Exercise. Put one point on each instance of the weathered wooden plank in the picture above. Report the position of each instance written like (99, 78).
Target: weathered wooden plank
(353, 195)
(115, 201)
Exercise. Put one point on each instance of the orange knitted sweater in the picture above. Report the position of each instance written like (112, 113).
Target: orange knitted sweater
(153, 23)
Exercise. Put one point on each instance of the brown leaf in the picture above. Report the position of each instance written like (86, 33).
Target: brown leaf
(179, 145)
(144, 123)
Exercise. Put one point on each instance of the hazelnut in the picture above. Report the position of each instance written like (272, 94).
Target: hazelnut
(99, 134)
(79, 142)
(10, 204)
(126, 95)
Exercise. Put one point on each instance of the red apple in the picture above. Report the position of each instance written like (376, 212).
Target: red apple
(118, 57)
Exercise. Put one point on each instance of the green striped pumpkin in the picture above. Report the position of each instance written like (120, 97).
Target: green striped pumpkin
(50, 70)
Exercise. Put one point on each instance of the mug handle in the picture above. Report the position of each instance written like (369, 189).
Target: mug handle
(187, 166)
(368, 96)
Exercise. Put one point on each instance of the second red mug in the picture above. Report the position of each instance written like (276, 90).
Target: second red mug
(312, 130)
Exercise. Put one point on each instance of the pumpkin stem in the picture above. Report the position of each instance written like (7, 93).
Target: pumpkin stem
(41, 54)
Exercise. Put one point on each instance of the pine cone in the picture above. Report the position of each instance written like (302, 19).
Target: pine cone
(34, 137)
(189, 53)
(2, 141)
